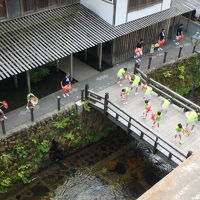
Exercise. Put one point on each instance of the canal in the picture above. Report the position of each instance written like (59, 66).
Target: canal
(115, 168)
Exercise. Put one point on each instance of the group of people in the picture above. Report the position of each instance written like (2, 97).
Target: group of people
(135, 82)
(162, 38)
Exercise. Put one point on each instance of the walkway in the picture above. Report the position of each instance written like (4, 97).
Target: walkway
(21, 117)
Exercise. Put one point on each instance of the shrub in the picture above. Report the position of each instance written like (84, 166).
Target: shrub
(38, 74)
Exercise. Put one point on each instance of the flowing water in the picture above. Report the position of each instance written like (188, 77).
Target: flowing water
(116, 168)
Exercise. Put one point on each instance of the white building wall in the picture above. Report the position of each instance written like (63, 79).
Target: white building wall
(121, 12)
(166, 4)
(101, 8)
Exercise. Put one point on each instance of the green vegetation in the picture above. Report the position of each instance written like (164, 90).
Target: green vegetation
(179, 76)
(70, 129)
(38, 74)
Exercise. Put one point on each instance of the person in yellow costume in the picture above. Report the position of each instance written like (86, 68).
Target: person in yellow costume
(165, 106)
(192, 118)
(121, 75)
(135, 83)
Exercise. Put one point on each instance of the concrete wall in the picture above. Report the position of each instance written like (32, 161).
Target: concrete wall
(101, 8)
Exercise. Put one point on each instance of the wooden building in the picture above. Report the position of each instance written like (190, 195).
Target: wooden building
(100, 32)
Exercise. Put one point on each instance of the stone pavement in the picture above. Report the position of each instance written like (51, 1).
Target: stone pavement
(21, 117)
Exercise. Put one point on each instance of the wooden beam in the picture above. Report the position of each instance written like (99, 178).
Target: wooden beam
(16, 81)
(71, 65)
(28, 81)
(85, 55)
(57, 65)
(100, 56)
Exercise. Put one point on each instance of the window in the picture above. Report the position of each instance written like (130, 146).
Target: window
(139, 4)
(3, 9)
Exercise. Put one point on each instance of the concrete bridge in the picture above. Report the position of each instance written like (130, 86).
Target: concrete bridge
(128, 117)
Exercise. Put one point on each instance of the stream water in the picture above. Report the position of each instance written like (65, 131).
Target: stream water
(116, 168)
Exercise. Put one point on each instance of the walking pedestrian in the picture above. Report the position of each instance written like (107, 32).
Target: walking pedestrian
(179, 130)
(162, 39)
(32, 100)
(121, 75)
(156, 118)
(147, 109)
(192, 118)
(179, 34)
(66, 84)
(147, 91)
(135, 83)
(124, 94)
(3, 104)
(139, 51)
(165, 106)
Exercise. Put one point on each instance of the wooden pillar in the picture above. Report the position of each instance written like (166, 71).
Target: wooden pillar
(57, 65)
(188, 21)
(71, 65)
(100, 56)
(16, 81)
(28, 81)
(85, 55)
(113, 51)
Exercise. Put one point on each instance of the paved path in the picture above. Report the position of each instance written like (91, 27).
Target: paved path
(20, 116)
(168, 123)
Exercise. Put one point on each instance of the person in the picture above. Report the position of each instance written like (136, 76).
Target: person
(124, 94)
(147, 109)
(179, 34)
(32, 100)
(156, 118)
(179, 130)
(66, 84)
(3, 104)
(135, 83)
(165, 106)
(121, 75)
(147, 91)
(192, 118)
(139, 50)
(162, 39)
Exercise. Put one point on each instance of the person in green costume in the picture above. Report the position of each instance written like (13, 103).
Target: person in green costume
(148, 90)
(192, 118)
(124, 94)
(165, 106)
(135, 83)
(156, 118)
(179, 130)
(121, 75)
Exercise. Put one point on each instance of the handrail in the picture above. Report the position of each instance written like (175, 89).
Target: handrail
(178, 97)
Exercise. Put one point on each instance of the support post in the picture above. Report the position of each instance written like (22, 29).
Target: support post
(86, 91)
(82, 94)
(189, 154)
(113, 51)
(180, 50)
(58, 102)
(165, 57)
(155, 146)
(57, 65)
(100, 56)
(150, 59)
(142, 135)
(32, 114)
(106, 103)
(129, 125)
(194, 49)
(135, 68)
(188, 21)
(85, 55)
(3, 126)
(28, 81)
(16, 81)
(71, 65)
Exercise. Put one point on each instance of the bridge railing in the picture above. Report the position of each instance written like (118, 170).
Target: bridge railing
(142, 132)
(168, 93)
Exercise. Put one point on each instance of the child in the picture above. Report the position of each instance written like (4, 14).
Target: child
(147, 107)
(161, 40)
(139, 50)
(32, 100)
(179, 130)
(179, 34)
(156, 118)
(165, 106)
(3, 104)
(135, 83)
(66, 84)
(121, 75)
(192, 118)
(147, 91)
(124, 94)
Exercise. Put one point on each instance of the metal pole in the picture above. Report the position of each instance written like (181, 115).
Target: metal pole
(58, 102)
(106, 103)
(165, 57)
(28, 81)
(82, 94)
(86, 91)
(150, 59)
(189, 154)
(71, 65)
(194, 49)
(3, 126)
(32, 114)
(180, 50)
(100, 56)
(16, 81)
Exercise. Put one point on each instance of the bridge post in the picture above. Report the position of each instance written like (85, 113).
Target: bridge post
(3, 126)
(82, 94)
(180, 50)
(165, 57)
(129, 125)
(149, 64)
(86, 91)
(135, 67)
(155, 146)
(106, 103)
(189, 154)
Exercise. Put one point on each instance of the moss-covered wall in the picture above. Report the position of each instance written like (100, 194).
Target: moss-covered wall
(28, 150)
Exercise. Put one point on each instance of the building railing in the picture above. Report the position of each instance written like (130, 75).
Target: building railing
(140, 131)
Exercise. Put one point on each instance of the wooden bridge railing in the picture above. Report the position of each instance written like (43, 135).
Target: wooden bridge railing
(138, 130)
(170, 94)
